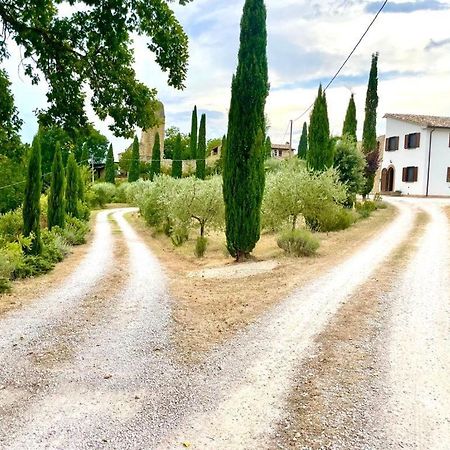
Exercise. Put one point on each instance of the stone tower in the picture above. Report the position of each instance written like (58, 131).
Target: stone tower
(148, 136)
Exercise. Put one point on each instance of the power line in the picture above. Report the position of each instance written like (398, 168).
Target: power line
(348, 57)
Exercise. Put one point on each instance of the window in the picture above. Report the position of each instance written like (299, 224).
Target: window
(392, 143)
(412, 140)
(410, 174)
(448, 174)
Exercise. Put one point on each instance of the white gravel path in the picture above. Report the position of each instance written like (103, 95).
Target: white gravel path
(90, 397)
(257, 366)
(418, 413)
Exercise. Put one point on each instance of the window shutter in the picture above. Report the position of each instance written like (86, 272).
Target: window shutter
(416, 173)
(418, 140)
(406, 140)
(405, 174)
(448, 174)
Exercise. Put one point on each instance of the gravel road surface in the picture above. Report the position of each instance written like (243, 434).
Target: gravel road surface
(122, 387)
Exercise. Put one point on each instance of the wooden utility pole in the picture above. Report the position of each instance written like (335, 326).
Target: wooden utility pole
(290, 136)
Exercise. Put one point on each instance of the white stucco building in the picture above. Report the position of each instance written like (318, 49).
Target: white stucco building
(416, 157)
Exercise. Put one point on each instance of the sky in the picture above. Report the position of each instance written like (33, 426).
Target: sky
(307, 41)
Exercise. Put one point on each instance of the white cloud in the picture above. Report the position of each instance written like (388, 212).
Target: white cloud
(308, 40)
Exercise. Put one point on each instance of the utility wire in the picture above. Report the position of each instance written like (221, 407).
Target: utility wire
(348, 57)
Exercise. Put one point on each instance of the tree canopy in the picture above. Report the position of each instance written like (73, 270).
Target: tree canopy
(84, 44)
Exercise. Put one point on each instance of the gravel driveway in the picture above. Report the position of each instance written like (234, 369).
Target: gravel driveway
(122, 387)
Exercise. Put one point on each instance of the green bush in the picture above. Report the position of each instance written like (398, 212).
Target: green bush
(11, 256)
(200, 246)
(75, 231)
(179, 236)
(11, 225)
(100, 194)
(298, 242)
(336, 219)
(84, 212)
(121, 193)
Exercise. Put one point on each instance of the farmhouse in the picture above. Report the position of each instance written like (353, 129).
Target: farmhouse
(282, 151)
(416, 155)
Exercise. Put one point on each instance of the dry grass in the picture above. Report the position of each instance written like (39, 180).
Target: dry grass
(207, 311)
(330, 402)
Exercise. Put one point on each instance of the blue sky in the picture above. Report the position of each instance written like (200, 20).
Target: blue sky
(307, 41)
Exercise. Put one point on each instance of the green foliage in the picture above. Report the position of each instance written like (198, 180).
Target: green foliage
(320, 150)
(201, 150)
(100, 194)
(31, 203)
(11, 226)
(170, 142)
(89, 47)
(75, 231)
(201, 245)
(12, 175)
(303, 144)
(72, 186)
(56, 209)
(10, 123)
(125, 160)
(193, 137)
(268, 148)
(11, 257)
(294, 193)
(51, 137)
(110, 170)
(350, 122)
(349, 163)
(177, 163)
(155, 168)
(334, 218)
(243, 172)
(133, 174)
(298, 242)
(370, 127)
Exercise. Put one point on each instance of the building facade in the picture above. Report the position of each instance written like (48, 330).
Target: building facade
(282, 151)
(416, 155)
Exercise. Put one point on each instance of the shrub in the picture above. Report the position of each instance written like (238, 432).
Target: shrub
(366, 208)
(75, 231)
(179, 236)
(84, 213)
(298, 242)
(10, 257)
(121, 193)
(333, 219)
(200, 246)
(100, 194)
(11, 225)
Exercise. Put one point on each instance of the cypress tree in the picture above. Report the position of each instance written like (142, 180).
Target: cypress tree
(320, 151)
(268, 148)
(350, 122)
(80, 182)
(56, 209)
(133, 174)
(243, 175)
(177, 163)
(72, 186)
(369, 144)
(31, 203)
(110, 171)
(201, 151)
(193, 139)
(85, 155)
(303, 144)
(155, 168)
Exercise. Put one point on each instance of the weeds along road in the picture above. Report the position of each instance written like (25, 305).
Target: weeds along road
(114, 382)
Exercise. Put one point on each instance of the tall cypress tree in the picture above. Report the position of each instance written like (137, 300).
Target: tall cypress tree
(201, 151)
(243, 175)
(350, 122)
(193, 140)
(155, 168)
(72, 186)
(56, 208)
(177, 163)
(85, 155)
(31, 203)
(133, 174)
(268, 148)
(80, 182)
(369, 144)
(303, 144)
(320, 151)
(110, 171)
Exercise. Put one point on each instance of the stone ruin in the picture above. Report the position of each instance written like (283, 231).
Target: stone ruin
(148, 136)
